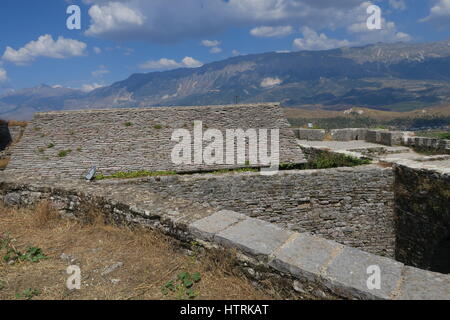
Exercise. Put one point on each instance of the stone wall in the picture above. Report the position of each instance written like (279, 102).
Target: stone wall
(16, 133)
(134, 139)
(348, 134)
(422, 206)
(310, 134)
(385, 137)
(353, 206)
(303, 265)
(441, 145)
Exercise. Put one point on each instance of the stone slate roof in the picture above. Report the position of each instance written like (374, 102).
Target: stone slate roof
(133, 139)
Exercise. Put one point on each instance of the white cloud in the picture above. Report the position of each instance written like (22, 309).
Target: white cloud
(97, 50)
(398, 4)
(235, 52)
(90, 87)
(268, 32)
(191, 62)
(166, 64)
(210, 43)
(3, 75)
(45, 46)
(313, 41)
(113, 17)
(387, 33)
(213, 44)
(440, 12)
(215, 50)
(101, 71)
(154, 21)
(271, 82)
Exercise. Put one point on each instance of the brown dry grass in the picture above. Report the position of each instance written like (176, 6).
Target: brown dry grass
(314, 112)
(384, 164)
(149, 258)
(14, 123)
(3, 163)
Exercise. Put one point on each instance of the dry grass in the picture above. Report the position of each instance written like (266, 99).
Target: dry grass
(317, 111)
(4, 163)
(149, 258)
(14, 123)
(384, 164)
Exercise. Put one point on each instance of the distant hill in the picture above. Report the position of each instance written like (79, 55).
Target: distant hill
(396, 77)
(22, 104)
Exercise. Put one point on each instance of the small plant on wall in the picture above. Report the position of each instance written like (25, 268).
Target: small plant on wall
(64, 153)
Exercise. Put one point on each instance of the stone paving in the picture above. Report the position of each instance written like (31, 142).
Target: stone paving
(395, 154)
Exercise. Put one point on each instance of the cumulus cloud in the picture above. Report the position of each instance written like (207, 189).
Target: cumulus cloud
(235, 52)
(113, 17)
(210, 43)
(166, 64)
(3, 75)
(213, 44)
(154, 20)
(91, 87)
(45, 46)
(439, 13)
(387, 33)
(100, 72)
(398, 4)
(269, 32)
(97, 50)
(314, 41)
(271, 82)
(215, 50)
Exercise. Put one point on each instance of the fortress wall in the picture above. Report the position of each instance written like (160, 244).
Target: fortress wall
(133, 139)
(16, 133)
(429, 143)
(385, 137)
(353, 206)
(310, 134)
(422, 206)
(349, 134)
(303, 265)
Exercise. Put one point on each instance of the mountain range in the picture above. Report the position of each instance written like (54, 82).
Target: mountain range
(397, 77)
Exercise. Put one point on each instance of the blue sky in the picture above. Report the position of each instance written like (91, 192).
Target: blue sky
(118, 38)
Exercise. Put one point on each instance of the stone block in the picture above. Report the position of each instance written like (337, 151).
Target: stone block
(206, 228)
(348, 275)
(253, 236)
(420, 284)
(305, 256)
(310, 134)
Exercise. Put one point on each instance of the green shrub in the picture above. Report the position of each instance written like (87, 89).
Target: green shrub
(64, 153)
(445, 135)
(238, 170)
(333, 160)
(134, 174)
(326, 160)
(128, 124)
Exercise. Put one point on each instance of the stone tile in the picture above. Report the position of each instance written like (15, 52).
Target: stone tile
(254, 237)
(347, 274)
(420, 284)
(207, 227)
(305, 256)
